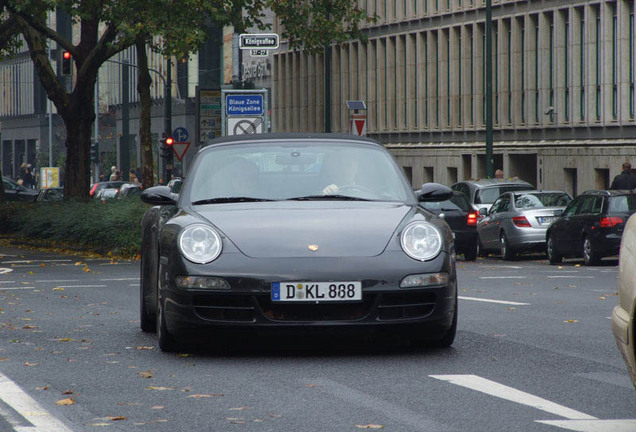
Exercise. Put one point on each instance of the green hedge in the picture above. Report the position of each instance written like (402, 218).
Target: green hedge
(110, 227)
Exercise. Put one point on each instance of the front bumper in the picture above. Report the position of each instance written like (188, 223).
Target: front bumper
(247, 303)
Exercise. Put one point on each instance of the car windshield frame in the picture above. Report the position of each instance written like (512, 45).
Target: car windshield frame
(295, 170)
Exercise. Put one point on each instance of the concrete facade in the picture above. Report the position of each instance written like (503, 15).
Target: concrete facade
(563, 84)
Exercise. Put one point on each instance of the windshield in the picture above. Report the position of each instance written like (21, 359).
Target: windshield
(538, 200)
(490, 194)
(297, 170)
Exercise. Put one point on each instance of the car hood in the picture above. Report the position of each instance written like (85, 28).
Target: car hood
(290, 230)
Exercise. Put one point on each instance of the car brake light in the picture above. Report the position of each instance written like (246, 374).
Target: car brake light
(472, 219)
(521, 221)
(608, 222)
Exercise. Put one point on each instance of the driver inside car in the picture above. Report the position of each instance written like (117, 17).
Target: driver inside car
(341, 172)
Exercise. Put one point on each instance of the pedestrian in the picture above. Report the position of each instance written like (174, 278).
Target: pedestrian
(626, 179)
(499, 174)
(132, 177)
(27, 177)
(113, 173)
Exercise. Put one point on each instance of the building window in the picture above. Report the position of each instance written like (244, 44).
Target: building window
(597, 48)
(566, 70)
(631, 60)
(582, 64)
(614, 60)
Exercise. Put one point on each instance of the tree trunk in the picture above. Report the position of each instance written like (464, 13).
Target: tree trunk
(143, 87)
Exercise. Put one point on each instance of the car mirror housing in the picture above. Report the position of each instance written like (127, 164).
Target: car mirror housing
(159, 195)
(432, 192)
(483, 211)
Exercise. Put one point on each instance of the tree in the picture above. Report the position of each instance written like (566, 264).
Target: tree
(174, 27)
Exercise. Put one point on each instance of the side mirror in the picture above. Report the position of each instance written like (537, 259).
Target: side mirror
(159, 195)
(433, 192)
(558, 212)
(483, 211)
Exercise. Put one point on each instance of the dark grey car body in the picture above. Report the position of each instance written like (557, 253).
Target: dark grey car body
(270, 241)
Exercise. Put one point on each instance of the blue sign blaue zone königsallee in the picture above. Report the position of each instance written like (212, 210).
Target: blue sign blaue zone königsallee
(244, 104)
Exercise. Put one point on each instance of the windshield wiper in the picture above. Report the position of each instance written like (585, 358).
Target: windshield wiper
(221, 200)
(327, 197)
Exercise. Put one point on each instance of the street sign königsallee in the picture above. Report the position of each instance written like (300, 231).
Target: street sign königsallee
(244, 104)
(258, 40)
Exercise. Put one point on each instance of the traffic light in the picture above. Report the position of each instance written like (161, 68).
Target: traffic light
(95, 152)
(166, 148)
(66, 63)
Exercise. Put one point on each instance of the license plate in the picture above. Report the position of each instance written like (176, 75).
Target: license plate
(316, 291)
(546, 219)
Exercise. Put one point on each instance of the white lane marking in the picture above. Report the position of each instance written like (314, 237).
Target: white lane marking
(4, 270)
(593, 425)
(27, 407)
(503, 266)
(6, 282)
(493, 388)
(56, 281)
(120, 279)
(570, 277)
(493, 301)
(81, 286)
(16, 288)
(35, 261)
(399, 414)
(502, 277)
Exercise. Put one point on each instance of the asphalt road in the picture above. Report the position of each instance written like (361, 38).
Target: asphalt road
(534, 352)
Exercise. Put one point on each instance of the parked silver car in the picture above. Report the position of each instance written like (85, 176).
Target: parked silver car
(517, 221)
(483, 193)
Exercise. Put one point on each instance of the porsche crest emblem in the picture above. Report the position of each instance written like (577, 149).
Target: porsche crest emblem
(312, 247)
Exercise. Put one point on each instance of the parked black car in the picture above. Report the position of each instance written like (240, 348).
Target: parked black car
(462, 219)
(591, 226)
(13, 191)
(54, 194)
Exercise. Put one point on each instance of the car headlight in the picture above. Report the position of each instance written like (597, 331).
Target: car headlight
(199, 243)
(421, 241)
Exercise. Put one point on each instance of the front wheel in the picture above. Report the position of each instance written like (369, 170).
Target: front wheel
(590, 257)
(553, 256)
(167, 342)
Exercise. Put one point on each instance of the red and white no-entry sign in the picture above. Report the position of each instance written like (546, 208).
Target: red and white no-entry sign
(358, 124)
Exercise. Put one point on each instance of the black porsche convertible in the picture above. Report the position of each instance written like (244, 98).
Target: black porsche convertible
(296, 230)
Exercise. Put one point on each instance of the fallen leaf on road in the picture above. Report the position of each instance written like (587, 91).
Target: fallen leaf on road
(30, 364)
(58, 289)
(68, 392)
(67, 401)
(147, 374)
(370, 426)
(145, 348)
(571, 321)
(46, 387)
(159, 388)
(243, 408)
(117, 418)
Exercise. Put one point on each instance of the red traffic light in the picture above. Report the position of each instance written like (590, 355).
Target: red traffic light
(66, 55)
(169, 141)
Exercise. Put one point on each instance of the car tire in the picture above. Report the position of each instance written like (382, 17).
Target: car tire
(472, 252)
(167, 342)
(553, 256)
(448, 337)
(507, 253)
(147, 286)
(590, 257)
